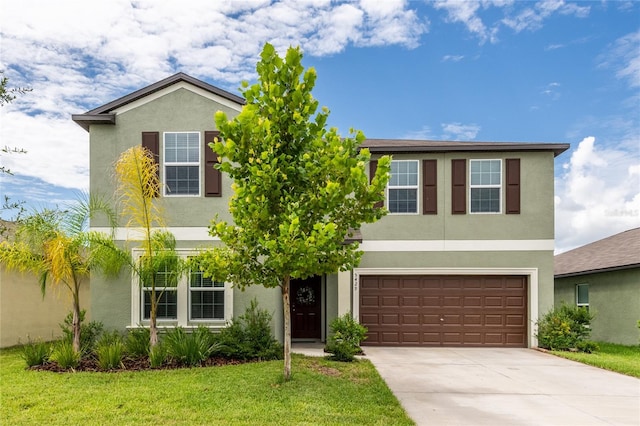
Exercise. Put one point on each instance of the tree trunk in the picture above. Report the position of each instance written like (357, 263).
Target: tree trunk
(287, 327)
(75, 324)
(153, 329)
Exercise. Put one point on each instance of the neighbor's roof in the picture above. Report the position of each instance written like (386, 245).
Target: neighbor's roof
(104, 114)
(397, 146)
(620, 251)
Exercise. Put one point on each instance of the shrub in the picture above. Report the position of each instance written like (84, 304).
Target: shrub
(137, 342)
(249, 336)
(189, 348)
(89, 333)
(64, 355)
(346, 336)
(109, 351)
(35, 353)
(587, 346)
(157, 356)
(564, 328)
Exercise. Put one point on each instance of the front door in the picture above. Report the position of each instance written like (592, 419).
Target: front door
(306, 308)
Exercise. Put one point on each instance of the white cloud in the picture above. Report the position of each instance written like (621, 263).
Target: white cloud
(597, 195)
(459, 131)
(624, 56)
(78, 55)
(532, 18)
(452, 58)
(466, 12)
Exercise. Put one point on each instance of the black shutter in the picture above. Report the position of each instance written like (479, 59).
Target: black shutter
(212, 176)
(429, 187)
(513, 186)
(459, 186)
(151, 141)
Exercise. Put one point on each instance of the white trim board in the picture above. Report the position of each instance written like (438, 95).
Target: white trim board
(457, 245)
(530, 273)
(201, 233)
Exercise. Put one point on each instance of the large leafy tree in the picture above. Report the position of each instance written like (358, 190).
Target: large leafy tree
(299, 188)
(138, 186)
(57, 247)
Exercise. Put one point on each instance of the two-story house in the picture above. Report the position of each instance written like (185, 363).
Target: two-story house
(464, 257)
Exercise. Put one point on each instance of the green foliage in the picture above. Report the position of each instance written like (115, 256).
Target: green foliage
(65, 355)
(249, 336)
(299, 188)
(189, 349)
(587, 346)
(564, 328)
(157, 355)
(137, 342)
(89, 332)
(110, 350)
(35, 352)
(346, 336)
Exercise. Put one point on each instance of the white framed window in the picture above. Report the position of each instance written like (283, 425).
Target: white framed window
(402, 189)
(206, 298)
(485, 186)
(582, 296)
(190, 300)
(181, 163)
(166, 295)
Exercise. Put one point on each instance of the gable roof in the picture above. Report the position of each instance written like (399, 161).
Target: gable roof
(620, 251)
(104, 114)
(398, 146)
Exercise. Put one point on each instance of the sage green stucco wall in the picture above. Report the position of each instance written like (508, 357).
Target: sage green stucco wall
(614, 297)
(536, 220)
(181, 110)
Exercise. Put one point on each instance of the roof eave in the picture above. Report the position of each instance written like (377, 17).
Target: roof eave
(596, 271)
(557, 149)
(86, 120)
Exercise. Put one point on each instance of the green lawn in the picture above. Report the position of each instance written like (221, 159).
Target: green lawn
(620, 358)
(321, 392)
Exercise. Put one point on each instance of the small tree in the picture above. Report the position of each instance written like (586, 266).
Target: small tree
(138, 185)
(299, 189)
(55, 245)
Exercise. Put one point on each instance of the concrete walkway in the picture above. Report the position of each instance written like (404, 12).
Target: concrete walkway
(485, 386)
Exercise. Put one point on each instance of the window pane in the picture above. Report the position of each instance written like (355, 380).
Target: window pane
(485, 200)
(207, 304)
(167, 304)
(403, 200)
(182, 180)
(583, 294)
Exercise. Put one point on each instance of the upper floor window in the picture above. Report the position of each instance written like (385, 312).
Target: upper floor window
(485, 182)
(402, 190)
(182, 163)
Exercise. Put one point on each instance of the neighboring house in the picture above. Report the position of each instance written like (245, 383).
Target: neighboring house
(25, 314)
(604, 277)
(465, 256)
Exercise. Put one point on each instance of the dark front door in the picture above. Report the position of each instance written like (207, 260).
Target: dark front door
(306, 308)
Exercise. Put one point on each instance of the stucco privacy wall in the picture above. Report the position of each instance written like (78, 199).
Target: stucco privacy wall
(25, 314)
(614, 297)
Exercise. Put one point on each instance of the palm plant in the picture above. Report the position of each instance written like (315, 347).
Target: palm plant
(56, 246)
(138, 187)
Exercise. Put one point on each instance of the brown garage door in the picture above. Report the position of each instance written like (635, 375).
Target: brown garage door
(444, 310)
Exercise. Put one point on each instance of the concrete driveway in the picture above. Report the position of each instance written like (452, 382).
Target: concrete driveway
(485, 386)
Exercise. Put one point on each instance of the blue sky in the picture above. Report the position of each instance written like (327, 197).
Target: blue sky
(548, 71)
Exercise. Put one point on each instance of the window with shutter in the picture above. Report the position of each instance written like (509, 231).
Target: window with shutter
(485, 186)
(402, 189)
(182, 163)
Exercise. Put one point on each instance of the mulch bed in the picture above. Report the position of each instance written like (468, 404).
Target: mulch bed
(134, 364)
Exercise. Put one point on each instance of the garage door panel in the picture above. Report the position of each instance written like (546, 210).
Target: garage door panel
(444, 310)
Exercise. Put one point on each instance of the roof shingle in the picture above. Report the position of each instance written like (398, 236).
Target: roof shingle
(618, 251)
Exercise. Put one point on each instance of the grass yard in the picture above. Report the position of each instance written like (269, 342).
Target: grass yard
(620, 358)
(322, 392)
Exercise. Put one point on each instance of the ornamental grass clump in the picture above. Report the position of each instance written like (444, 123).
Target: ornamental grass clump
(65, 355)
(137, 342)
(35, 352)
(566, 328)
(110, 351)
(190, 349)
